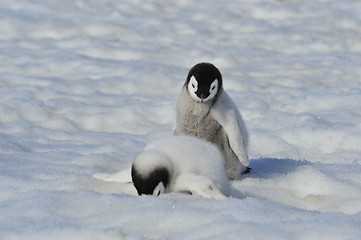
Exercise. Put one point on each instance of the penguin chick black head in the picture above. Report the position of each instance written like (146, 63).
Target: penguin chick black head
(204, 82)
(150, 173)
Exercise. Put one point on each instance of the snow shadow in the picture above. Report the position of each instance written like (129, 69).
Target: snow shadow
(269, 167)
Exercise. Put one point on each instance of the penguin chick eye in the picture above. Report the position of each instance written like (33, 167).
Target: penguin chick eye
(193, 86)
(213, 88)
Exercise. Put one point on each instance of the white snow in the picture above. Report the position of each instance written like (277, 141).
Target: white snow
(84, 85)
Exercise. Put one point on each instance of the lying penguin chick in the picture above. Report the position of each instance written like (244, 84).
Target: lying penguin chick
(205, 110)
(181, 164)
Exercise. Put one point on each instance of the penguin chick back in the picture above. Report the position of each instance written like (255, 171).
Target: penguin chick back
(165, 160)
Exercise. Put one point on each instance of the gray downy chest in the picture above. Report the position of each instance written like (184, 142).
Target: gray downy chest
(198, 122)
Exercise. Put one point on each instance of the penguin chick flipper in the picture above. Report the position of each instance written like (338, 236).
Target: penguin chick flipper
(225, 112)
(123, 176)
(197, 184)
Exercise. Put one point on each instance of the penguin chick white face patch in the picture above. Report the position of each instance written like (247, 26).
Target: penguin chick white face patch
(159, 189)
(202, 92)
(192, 88)
(213, 89)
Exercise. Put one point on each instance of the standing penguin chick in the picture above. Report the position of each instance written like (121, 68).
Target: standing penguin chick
(205, 110)
(180, 164)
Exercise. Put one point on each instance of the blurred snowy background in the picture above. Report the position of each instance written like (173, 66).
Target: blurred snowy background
(84, 85)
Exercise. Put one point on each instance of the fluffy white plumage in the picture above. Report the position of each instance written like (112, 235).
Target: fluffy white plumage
(194, 165)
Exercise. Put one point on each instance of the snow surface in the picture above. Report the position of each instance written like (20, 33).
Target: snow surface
(84, 85)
